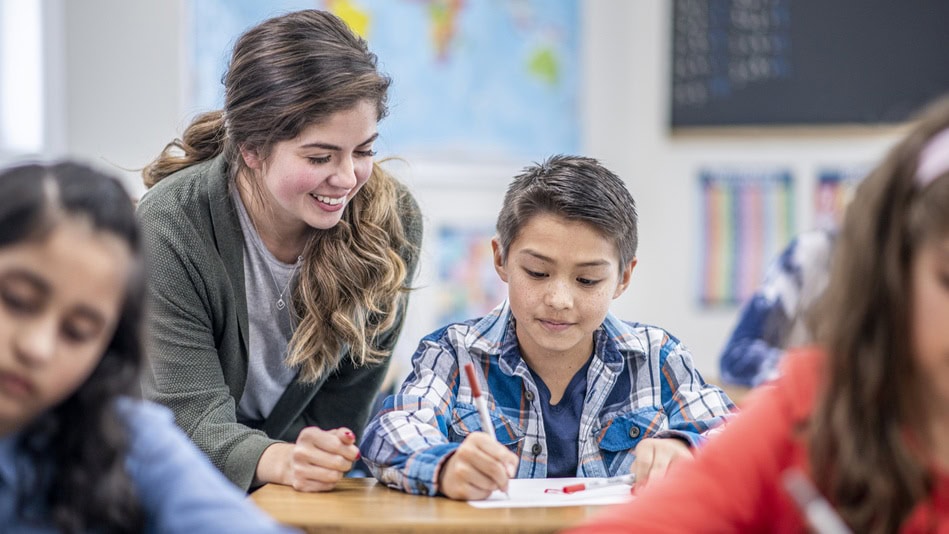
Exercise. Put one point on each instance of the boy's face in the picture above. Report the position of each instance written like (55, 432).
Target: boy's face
(562, 276)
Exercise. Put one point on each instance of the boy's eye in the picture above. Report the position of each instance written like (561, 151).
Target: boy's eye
(534, 274)
(587, 282)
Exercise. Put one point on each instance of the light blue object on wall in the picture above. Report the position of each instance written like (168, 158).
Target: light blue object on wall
(473, 80)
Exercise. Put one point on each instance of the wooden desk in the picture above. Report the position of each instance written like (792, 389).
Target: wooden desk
(363, 505)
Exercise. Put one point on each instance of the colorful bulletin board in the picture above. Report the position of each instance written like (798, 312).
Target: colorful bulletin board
(747, 217)
(835, 187)
(468, 285)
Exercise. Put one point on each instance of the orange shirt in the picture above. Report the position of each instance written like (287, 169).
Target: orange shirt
(734, 484)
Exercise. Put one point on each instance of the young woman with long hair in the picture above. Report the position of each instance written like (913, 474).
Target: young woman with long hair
(283, 254)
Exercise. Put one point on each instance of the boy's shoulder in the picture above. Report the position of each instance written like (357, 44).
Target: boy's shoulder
(486, 333)
(467, 334)
(452, 330)
(637, 337)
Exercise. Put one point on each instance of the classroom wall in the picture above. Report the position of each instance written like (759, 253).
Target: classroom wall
(629, 60)
(122, 87)
(123, 103)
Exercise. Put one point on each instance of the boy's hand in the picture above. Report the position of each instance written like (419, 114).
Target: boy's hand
(478, 467)
(654, 456)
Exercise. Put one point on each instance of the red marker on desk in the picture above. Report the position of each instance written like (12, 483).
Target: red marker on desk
(599, 483)
(480, 403)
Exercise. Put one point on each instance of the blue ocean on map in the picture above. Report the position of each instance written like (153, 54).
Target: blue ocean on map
(479, 80)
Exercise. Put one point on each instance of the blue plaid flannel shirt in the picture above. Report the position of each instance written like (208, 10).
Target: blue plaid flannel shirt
(773, 319)
(640, 384)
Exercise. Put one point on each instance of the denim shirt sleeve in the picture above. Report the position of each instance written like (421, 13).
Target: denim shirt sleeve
(407, 443)
(179, 489)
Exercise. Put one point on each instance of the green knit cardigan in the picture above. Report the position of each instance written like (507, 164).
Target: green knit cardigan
(197, 326)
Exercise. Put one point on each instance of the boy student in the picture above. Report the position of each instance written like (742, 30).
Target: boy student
(571, 389)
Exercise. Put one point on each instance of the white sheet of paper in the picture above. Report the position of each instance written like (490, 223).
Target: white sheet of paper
(531, 493)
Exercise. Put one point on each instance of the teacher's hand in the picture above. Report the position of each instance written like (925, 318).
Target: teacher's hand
(316, 462)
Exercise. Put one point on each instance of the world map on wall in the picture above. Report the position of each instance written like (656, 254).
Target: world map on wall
(472, 79)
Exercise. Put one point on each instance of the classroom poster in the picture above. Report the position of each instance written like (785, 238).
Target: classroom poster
(468, 285)
(496, 79)
(746, 218)
(835, 187)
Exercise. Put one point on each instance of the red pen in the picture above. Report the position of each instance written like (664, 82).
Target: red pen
(480, 403)
(599, 483)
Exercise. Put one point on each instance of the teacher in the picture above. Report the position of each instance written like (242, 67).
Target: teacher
(280, 257)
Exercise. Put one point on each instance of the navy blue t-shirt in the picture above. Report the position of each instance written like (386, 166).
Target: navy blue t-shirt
(562, 423)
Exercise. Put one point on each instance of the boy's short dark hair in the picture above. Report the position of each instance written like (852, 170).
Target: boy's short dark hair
(578, 189)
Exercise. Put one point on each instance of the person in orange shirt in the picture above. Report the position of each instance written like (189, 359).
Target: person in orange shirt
(860, 421)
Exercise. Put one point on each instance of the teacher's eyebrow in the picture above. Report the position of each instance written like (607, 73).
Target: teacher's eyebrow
(328, 146)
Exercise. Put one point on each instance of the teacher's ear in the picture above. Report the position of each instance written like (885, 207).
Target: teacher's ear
(251, 157)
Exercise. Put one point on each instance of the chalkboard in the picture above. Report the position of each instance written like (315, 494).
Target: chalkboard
(806, 62)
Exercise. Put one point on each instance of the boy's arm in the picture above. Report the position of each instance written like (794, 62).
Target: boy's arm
(407, 443)
(693, 407)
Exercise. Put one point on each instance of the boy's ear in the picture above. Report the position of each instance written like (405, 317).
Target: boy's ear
(251, 157)
(624, 278)
(498, 260)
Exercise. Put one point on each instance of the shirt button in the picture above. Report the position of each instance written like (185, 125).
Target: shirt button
(529, 394)
(634, 432)
(420, 487)
(537, 449)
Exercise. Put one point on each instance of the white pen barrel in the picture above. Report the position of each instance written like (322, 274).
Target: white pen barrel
(486, 425)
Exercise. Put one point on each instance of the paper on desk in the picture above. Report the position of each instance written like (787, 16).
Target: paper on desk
(530, 493)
